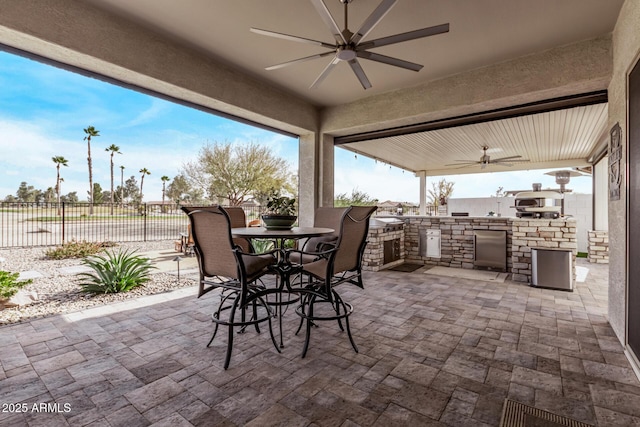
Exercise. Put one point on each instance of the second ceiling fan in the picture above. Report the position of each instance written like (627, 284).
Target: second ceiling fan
(485, 160)
(350, 46)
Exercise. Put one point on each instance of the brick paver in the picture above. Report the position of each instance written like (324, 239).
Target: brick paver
(433, 351)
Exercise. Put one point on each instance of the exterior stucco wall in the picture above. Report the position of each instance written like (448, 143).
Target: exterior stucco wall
(566, 70)
(626, 49)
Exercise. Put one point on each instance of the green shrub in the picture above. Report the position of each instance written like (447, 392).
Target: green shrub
(261, 246)
(115, 272)
(9, 284)
(75, 249)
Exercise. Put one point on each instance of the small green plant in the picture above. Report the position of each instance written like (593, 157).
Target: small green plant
(280, 205)
(115, 272)
(75, 249)
(9, 284)
(261, 246)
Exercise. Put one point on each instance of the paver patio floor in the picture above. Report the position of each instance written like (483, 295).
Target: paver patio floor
(433, 351)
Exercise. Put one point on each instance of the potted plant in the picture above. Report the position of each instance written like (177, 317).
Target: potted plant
(280, 213)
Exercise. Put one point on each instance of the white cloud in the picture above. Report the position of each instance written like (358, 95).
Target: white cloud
(157, 107)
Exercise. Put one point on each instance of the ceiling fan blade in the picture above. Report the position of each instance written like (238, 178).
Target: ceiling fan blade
(372, 20)
(510, 160)
(359, 72)
(296, 61)
(463, 163)
(329, 21)
(411, 35)
(323, 75)
(389, 60)
(506, 158)
(291, 38)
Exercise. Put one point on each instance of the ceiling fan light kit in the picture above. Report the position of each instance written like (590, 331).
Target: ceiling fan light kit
(349, 46)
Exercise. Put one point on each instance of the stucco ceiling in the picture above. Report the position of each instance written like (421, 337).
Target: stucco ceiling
(482, 32)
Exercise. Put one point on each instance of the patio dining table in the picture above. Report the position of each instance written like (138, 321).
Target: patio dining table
(284, 268)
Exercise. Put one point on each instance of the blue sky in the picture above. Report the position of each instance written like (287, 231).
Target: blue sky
(43, 111)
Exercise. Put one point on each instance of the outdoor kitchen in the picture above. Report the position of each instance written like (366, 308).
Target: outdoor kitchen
(537, 246)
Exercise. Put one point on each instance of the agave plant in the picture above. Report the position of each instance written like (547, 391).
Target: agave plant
(115, 272)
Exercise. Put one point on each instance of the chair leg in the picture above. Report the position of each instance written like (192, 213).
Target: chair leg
(308, 331)
(303, 301)
(339, 302)
(232, 315)
(273, 338)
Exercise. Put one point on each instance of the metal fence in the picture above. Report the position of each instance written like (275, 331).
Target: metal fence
(52, 224)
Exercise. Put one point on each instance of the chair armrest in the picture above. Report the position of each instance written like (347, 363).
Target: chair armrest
(318, 254)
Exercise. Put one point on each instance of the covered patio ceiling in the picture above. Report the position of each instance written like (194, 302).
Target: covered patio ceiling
(481, 33)
(496, 55)
(553, 139)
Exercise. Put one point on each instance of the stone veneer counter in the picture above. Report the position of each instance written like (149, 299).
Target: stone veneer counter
(523, 234)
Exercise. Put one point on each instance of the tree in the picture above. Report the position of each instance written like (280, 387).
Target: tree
(440, 192)
(72, 197)
(90, 132)
(180, 190)
(357, 198)
(59, 161)
(143, 171)
(122, 186)
(26, 193)
(97, 194)
(164, 180)
(236, 172)
(113, 149)
(131, 191)
(50, 196)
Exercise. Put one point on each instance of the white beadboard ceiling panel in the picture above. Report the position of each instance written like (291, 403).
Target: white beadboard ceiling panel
(561, 138)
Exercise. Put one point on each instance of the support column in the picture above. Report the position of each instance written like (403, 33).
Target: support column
(315, 174)
(423, 192)
(307, 178)
(327, 166)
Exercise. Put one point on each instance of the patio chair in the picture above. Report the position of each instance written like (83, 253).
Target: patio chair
(327, 217)
(237, 217)
(238, 220)
(342, 263)
(223, 265)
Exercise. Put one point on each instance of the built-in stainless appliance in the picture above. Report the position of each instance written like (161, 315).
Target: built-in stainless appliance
(552, 268)
(538, 203)
(490, 249)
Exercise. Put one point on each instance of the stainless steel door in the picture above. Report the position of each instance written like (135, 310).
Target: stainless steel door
(552, 269)
(490, 248)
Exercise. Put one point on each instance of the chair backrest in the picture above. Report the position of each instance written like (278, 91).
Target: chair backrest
(211, 228)
(353, 238)
(326, 217)
(238, 220)
(237, 216)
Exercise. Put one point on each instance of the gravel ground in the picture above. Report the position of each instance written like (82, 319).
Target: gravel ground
(59, 293)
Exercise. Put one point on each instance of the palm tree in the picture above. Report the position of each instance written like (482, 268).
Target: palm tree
(91, 132)
(114, 149)
(164, 179)
(143, 171)
(122, 186)
(58, 160)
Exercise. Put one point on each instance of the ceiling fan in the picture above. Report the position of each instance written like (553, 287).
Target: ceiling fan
(348, 46)
(485, 160)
